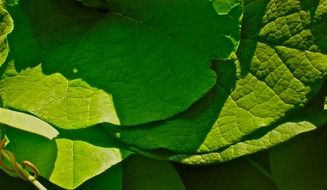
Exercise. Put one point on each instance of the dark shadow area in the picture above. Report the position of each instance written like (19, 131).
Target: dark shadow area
(237, 174)
(319, 31)
(310, 5)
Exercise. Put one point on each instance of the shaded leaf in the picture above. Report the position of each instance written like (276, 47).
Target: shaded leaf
(237, 174)
(300, 164)
(146, 174)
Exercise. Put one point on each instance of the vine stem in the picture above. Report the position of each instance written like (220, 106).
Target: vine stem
(24, 172)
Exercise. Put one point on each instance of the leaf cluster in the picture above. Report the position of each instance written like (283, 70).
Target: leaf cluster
(138, 94)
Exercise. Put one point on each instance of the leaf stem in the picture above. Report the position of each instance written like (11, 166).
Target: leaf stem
(24, 172)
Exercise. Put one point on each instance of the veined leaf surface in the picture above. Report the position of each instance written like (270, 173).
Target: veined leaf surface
(276, 73)
(152, 57)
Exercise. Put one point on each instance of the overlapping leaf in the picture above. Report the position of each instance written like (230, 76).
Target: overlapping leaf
(135, 62)
(282, 64)
(71, 159)
(152, 57)
(27, 123)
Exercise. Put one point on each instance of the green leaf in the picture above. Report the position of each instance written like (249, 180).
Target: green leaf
(146, 174)
(280, 134)
(300, 164)
(6, 28)
(142, 53)
(68, 103)
(27, 123)
(71, 159)
(78, 161)
(109, 180)
(277, 74)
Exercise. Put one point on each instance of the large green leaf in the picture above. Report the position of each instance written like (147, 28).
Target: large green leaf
(280, 134)
(70, 160)
(147, 174)
(152, 57)
(27, 123)
(6, 27)
(277, 74)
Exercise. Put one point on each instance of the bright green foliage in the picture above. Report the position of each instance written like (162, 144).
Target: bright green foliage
(27, 123)
(143, 54)
(6, 28)
(78, 161)
(277, 73)
(280, 134)
(171, 80)
(148, 174)
(66, 103)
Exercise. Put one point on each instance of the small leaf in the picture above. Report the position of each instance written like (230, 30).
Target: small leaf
(27, 123)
